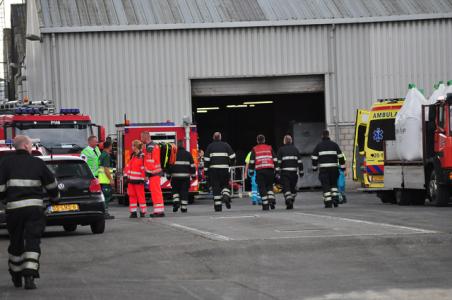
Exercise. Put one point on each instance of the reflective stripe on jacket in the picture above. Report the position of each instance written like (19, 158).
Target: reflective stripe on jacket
(135, 169)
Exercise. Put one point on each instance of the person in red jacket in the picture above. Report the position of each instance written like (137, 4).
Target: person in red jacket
(153, 170)
(262, 162)
(136, 177)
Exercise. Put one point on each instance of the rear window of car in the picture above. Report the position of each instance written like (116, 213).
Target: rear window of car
(69, 169)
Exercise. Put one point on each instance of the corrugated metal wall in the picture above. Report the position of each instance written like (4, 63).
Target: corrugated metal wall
(147, 74)
(378, 61)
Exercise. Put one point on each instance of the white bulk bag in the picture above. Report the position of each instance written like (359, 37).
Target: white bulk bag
(448, 89)
(408, 126)
(437, 93)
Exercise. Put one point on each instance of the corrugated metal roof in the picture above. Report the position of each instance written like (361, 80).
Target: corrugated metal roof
(115, 13)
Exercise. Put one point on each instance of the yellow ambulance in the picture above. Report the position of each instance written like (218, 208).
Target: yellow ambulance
(372, 128)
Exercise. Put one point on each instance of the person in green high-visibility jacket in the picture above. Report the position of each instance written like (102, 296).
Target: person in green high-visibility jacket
(91, 155)
(105, 176)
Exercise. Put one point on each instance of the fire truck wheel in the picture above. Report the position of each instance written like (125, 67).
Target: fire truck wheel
(438, 193)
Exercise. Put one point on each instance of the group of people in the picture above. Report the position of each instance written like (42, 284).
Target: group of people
(23, 178)
(101, 165)
(264, 167)
(144, 164)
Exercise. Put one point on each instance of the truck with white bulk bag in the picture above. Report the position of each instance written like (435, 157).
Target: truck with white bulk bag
(421, 168)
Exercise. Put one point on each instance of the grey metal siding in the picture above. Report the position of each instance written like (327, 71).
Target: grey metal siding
(378, 61)
(147, 74)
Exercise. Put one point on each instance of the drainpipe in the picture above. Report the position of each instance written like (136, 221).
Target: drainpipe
(333, 83)
(53, 69)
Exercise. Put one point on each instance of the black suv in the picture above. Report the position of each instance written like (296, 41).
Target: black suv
(81, 202)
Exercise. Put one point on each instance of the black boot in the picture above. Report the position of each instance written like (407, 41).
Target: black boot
(265, 207)
(17, 280)
(336, 202)
(328, 204)
(176, 206)
(272, 203)
(133, 215)
(227, 201)
(289, 204)
(218, 207)
(142, 215)
(29, 283)
(183, 210)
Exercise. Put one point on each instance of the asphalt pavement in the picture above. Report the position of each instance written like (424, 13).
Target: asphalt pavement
(362, 250)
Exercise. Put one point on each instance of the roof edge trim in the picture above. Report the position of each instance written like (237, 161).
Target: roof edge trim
(226, 25)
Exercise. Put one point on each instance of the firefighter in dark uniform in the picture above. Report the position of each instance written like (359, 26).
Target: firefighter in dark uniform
(263, 162)
(218, 158)
(289, 167)
(327, 156)
(180, 173)
(22, 179)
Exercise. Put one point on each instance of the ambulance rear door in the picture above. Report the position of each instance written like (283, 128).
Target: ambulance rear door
(362, 120)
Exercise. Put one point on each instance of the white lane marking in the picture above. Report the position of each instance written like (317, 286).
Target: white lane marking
(235, 217)
(420, 230)
(328, 236)
(206, 234)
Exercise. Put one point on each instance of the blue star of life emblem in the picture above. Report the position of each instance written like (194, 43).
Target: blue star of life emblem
(378, 135)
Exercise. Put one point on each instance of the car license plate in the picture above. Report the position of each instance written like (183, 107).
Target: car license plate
(62, 208)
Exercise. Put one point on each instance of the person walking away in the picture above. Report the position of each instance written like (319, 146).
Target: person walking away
(326, 157)
(218, 158)
(262, 163)
(91, 155)
(105, 176)
(23, 178)
(180, 174)
(289, 168)
(255, 197)
(153, 172)
(135, 174)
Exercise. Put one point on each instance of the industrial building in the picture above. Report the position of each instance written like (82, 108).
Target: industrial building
(239, 66)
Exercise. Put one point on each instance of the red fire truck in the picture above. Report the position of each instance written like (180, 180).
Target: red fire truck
(162, 133)
(65, 132)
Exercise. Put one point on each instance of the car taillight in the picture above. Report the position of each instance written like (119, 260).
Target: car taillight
(94, 186)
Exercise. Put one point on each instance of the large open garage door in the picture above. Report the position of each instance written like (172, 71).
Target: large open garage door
(243, 108)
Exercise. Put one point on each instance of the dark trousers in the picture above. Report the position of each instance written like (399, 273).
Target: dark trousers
(219, 181)
(25, 227)
(180, 188)
(265, 179)
(106, 190)
(289, 182)
(328, 178)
